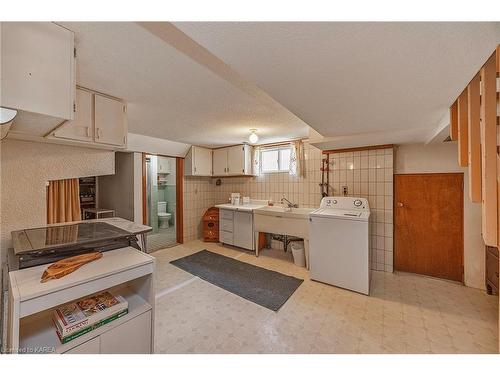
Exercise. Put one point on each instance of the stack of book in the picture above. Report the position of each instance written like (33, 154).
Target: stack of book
(77, 318)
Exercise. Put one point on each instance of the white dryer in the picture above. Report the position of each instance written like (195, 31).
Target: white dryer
(339, 243)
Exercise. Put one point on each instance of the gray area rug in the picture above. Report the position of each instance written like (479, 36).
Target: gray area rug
(264, 287)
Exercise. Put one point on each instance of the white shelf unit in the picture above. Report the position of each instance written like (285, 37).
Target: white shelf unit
(126, 271)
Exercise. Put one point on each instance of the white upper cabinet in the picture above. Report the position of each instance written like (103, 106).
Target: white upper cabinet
(110, 121)
(82, 127)
(99, 120)
(236, 160)
(220, 161)
(38, 68)
(198, 162)
(163, 165)
(233, 161)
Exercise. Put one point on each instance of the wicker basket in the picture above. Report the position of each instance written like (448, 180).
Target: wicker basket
(211, 225)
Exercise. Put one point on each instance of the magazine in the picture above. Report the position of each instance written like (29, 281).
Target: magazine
(85, 313)
(77, 334)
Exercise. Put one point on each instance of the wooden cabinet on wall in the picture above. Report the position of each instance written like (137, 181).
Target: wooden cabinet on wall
(98, 119)
(198, 162)
(232, 161)
(38, 74)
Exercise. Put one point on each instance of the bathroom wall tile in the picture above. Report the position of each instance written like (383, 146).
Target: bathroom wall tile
(381, 175)
(363, 175)
(372, 161)
(380, 160)
(380, 256)
(388, 243)
(388, 190)
(388, 230)
(363, 162)
(389, 258)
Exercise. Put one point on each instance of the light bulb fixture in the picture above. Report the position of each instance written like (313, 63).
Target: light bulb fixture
(253, 137)
(7, 115)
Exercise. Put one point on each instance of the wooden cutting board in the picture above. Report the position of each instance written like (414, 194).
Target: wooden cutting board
(66, 266)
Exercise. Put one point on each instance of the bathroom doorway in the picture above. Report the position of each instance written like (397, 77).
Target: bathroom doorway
(161, 200)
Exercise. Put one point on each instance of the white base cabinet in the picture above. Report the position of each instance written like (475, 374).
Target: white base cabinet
(236, 228)
(132, 337)
(126, 272)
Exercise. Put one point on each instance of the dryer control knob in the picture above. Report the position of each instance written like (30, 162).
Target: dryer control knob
(358, 202)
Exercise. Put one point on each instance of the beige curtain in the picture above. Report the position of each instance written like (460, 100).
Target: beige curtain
(297, 159)
(63, 201)
(256, 161)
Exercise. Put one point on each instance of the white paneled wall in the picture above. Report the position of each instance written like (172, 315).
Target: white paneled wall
(367, 174)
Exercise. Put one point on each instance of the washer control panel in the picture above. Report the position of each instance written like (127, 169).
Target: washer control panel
(345, 203)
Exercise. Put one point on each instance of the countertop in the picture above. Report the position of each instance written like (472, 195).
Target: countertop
(119, 222)
(240, 207)
(280, 211)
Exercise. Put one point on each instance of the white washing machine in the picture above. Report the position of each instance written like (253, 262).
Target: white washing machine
(339, 243)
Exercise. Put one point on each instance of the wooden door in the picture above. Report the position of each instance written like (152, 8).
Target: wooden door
(236, 160)
(428, 226)
(220, 161)
(110, 121)
(82, 127)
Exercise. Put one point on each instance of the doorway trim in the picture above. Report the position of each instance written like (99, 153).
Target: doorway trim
(179, 194)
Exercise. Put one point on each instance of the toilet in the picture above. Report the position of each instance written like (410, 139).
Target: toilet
(163, 215)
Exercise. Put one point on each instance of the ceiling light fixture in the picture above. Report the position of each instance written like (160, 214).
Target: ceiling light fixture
(253, 137)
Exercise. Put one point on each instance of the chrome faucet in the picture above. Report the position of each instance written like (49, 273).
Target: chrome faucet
(288, 203)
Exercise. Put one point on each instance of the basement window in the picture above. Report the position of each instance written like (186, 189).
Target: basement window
(275, 159)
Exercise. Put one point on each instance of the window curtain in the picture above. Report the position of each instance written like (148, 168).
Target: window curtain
(256, 161)
(297, 159)
(63, 201)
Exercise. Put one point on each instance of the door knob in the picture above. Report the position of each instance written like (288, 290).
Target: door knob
(400, 204)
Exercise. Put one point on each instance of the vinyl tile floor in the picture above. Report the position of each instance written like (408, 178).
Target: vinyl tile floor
(404, 313)
(165, 237)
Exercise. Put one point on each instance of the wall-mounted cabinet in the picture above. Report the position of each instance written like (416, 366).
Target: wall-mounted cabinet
(220, 162)
(198, 162)
(98, 119)
(232, 161)
(163, 165)
(110, 121)
(38, 74)
(82, 127)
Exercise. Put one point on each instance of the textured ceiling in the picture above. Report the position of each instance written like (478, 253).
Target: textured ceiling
(170, 95)
(208, 83)
(356, 78)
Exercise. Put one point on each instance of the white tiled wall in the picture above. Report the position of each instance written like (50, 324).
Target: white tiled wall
(367, 174)
(198, 197)
(272, 186)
